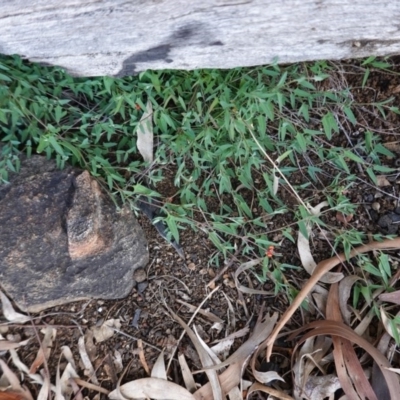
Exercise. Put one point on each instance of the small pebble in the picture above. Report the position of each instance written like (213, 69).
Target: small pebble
(3, 329)
(141, 287)
(375, 206)
(192, 266)
(139, 275)
(368, 198)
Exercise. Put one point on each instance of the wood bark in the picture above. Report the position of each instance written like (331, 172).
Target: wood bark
(120, 37)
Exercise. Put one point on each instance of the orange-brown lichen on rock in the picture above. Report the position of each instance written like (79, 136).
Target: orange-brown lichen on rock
(88, 226)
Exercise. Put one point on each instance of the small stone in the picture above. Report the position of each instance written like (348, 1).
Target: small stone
(140, 275)
(14, 338)
(192, 266)
(141, 287)
(368, 197)
(389, 223)
(375, 206)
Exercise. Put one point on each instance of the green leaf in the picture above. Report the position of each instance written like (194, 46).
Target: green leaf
(5, 78)
(330, 125)
(365, 77)
(173, 227)
(303, 228)
(350, 115)
(352, 156)
(300, 139)
(43, 143)
(382, 168)
(371, 174)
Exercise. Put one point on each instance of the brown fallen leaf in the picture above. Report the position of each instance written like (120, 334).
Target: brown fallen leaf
(350, 371)
(322, 268)
(393, 297)
(154, 388)
(44, 350)
(258, 387)
(344, 219)
(334, 328)
(392, 146)
(381, 181)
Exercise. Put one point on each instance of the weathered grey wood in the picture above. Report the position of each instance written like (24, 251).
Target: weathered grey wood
(120, 37)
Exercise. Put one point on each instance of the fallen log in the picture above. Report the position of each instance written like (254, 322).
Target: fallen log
(119, 37)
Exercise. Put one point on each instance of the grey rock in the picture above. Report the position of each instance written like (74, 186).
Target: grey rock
(62, 239)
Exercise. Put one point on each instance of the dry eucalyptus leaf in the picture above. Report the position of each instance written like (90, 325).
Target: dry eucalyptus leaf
(244, 289)
(106, 330)
(43, 353)
(158, 370)
(186, 374)
(382, 181)
(320, 387)
(344, 219)
(153, 388)
(345, 287)
(393, 146)
(388, 326)
(145, 134)
(89, 370)
(9, 313)
(393, 297)
(303, 246)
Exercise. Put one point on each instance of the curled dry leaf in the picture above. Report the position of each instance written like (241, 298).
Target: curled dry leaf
(322, 268)
(106, 330)
(345, 287)
(222, 347)
(393, 297)
(158, 370)
(7, 345)
(44, 350)
(348, 366)
(44, 392)
(334, 328)
(118, 361)
(381, 181)
(389, 327)
(308, 358)
(278, 394)
(266, 377)
(89, 370)
(344, 219)
(9, 313)
(145, 134)
(18, 363)
(206, 360)
(15, 386)
(244, 289)
(153, 388)
(68, 374)
(186, 374)
(320, 387)
(303, 246)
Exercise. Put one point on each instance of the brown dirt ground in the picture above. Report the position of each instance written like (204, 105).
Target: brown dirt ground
(170, 278)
